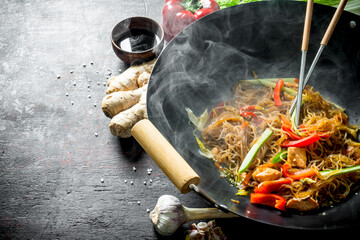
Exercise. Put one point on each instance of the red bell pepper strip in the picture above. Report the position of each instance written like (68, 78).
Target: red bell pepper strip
(246, 111)
(177, 14)
(277, 91)
(268, 199)
(290, 133)
(272, 186)
(306, 141)
(297, 174)
(286, 122)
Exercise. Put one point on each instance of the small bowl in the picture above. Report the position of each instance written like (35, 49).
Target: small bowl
(137, 39)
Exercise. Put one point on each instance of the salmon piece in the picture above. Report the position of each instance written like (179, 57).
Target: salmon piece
(302, 205)
(297, 157)
(266, 174)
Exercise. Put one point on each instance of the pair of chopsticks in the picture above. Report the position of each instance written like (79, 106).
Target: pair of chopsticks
(304, 49)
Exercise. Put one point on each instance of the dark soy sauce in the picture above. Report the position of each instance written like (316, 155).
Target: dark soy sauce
(137, 40)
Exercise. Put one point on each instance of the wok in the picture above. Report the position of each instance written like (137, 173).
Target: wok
(200, 65)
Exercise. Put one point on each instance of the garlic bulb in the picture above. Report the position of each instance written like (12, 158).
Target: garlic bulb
(204, 231)
(167, 215)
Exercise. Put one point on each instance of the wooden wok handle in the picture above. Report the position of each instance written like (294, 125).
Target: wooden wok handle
(307, 24)
(333, 22)
(165, 155)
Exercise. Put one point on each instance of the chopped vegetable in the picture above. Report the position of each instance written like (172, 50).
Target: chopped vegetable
(286, 122)
(242, 192)
(329, 173)
(256, 81)
(277, 90)
(199, 122)
(203, 150)
(246, 111)
(272, 186)
(290, 132)
(254, 150)
(279, 157)
(285, 89)
(306, 141)
(268, 199)
(297, 174)
(351, 131)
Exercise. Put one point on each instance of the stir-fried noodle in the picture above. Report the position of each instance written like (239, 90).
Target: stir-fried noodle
(235, 125)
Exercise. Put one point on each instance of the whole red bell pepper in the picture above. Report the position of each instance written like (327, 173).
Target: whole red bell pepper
(269, 199)
(177, 14)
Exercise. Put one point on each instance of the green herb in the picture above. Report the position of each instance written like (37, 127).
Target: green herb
(352, 6)
(227, 3)
(254, 150)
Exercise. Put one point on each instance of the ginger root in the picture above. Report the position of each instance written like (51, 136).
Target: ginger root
(122, 123)
(128, 80)
(116, 102)
(125, 102)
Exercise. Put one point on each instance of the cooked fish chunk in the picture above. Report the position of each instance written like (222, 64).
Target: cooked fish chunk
(302, 205)
(297, 157)
(266, 174)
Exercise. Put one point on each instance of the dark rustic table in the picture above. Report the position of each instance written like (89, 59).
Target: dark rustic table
(63, 175)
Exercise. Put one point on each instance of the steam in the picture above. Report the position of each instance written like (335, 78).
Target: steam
(200, 66)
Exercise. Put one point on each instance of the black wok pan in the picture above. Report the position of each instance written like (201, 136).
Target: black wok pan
(200, 65)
